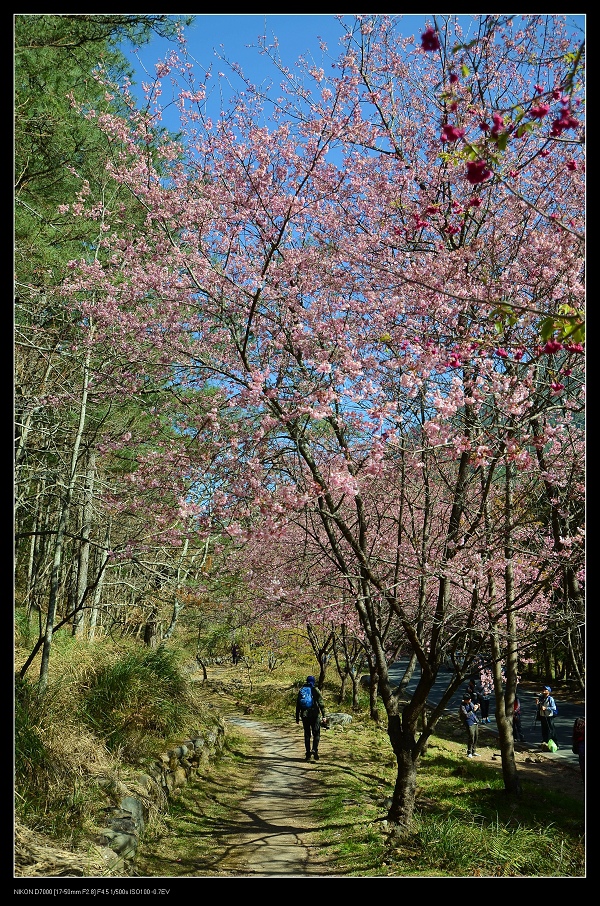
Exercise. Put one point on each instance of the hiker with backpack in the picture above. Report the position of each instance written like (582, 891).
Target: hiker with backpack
(310, 707)
(546, 711)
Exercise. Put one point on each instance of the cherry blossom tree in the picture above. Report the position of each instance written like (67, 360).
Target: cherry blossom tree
(368, 297)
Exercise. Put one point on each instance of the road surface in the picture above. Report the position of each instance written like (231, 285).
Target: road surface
(567, 711)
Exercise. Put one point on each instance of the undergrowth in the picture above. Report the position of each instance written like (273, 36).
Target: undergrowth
(107, 708)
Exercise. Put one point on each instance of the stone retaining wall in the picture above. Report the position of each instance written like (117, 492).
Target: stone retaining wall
(133, 802)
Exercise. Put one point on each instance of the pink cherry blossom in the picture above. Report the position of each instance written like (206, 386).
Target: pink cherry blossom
(430, 40)
(552, 346)
(539, 111)
(477, 172)
(498, 120)
(565, 121)
(451, 133)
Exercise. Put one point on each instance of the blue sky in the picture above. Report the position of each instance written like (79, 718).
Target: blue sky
(232, 34)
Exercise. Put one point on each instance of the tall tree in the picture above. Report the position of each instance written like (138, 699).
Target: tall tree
(369, 283)
(57, 59)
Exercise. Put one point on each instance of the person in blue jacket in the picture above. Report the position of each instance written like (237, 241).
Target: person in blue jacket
(468, 714)
(546, 709)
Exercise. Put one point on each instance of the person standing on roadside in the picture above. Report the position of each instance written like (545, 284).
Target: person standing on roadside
(468, 715)
(471, 689)
(578, 744)
(546, 709)
(311, 717)
(517, 728)
(484, 694)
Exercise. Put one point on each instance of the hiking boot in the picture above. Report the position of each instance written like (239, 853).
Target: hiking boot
(307, 756)
(316, 756)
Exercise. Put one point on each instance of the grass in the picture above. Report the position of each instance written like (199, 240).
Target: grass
(464, 824)
(193, 837)
(102, 702)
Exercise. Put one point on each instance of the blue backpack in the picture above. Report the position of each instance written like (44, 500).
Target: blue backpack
(305, 697)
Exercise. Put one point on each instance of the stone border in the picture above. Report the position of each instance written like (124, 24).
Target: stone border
(126, 818)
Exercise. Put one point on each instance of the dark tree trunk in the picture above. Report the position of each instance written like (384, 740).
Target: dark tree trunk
(405, 789)
(373, 691)
(150, 629)
(203, 665)
(512, 783)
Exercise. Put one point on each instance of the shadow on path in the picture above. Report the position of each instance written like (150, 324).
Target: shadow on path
(274, 822)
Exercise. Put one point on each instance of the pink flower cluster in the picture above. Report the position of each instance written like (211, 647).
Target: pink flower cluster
(539, 111)
(498, 124)
(565, 120)
(430, 40)
(451, 133)
(477, 172)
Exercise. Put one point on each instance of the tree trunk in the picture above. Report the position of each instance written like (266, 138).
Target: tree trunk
(353, 678)
(373, 693)
(405, 789)
(99, 584)
(84, 549)
(150, 628)
(61, 533)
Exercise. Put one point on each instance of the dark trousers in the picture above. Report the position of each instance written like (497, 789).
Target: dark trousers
(548, 731)
(581, 751)
(484, 704)
(517, 729)
(473, 737)
(312, 727)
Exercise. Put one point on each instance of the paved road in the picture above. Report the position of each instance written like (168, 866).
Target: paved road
(567, 711)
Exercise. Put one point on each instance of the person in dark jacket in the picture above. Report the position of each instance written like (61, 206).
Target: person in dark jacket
(546, 709)
(517, 727)
(311, 719)
(468, 713)
(578, 743)
(472, 690)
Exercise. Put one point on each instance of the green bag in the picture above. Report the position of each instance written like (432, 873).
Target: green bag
(552, 747)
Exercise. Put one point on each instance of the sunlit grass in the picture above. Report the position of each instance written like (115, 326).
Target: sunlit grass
(464, 823)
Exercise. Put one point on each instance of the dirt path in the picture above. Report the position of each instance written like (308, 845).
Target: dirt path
(274, 838)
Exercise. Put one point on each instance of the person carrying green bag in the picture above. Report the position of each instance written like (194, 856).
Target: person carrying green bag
(547, 710)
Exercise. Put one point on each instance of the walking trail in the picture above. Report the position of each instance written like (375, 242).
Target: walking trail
(275, 837)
